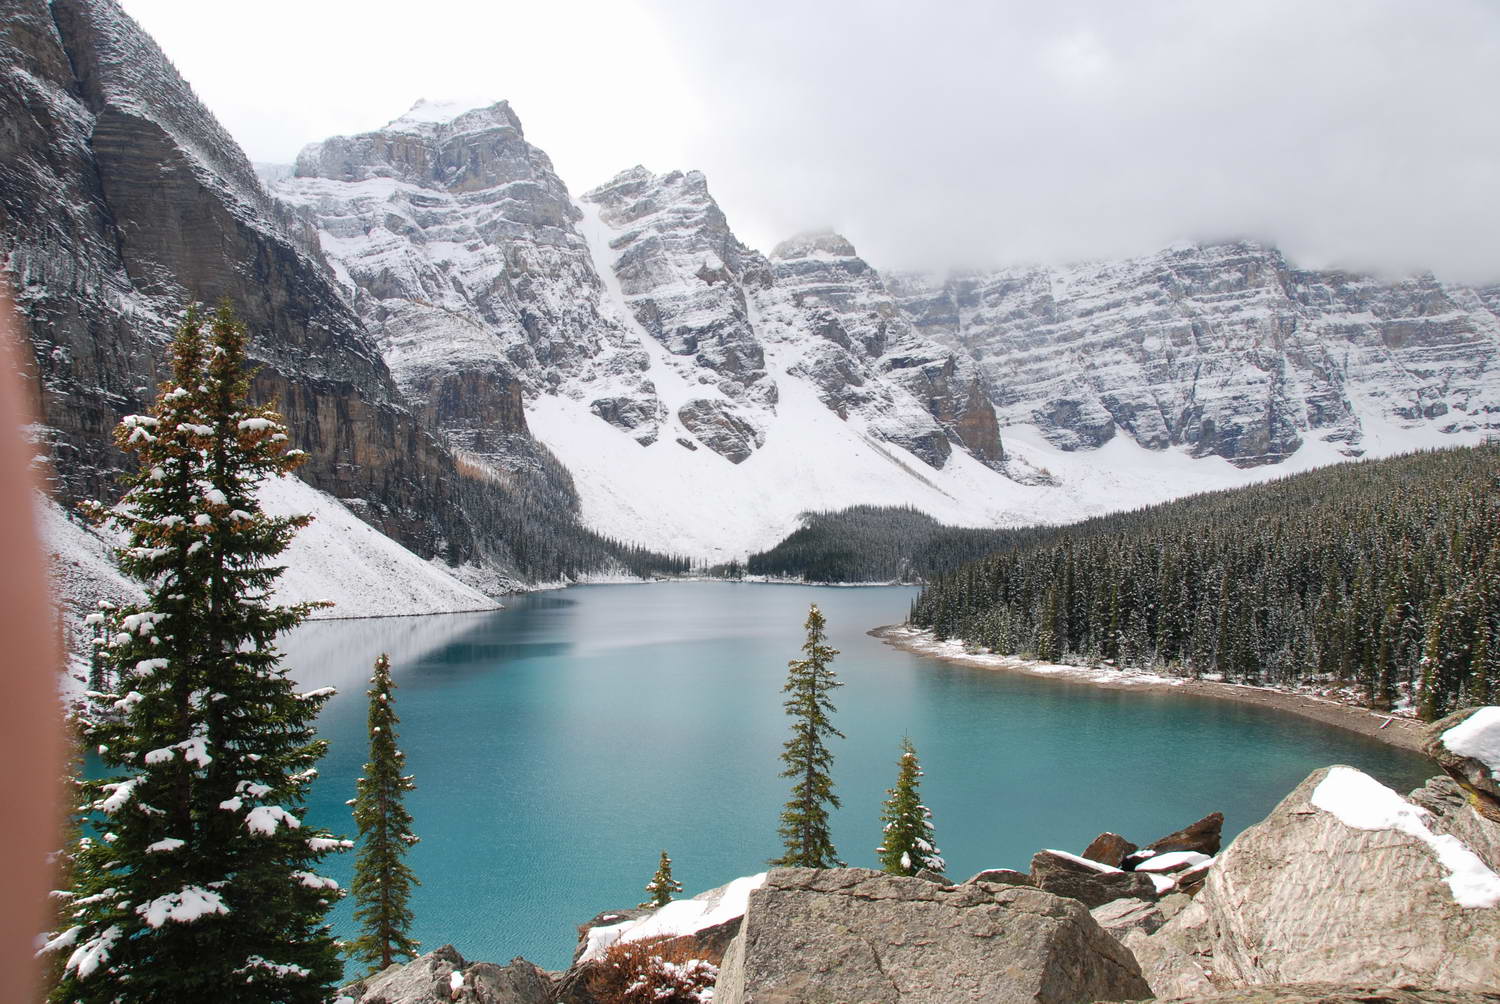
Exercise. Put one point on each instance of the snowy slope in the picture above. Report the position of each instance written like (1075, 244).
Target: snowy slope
(694, 501)
(339, 558)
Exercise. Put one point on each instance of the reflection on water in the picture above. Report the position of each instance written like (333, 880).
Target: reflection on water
(560, 744)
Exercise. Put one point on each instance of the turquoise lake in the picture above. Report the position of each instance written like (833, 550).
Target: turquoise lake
(560, 744)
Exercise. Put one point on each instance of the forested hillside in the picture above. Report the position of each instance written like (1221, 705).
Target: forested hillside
(869, 543)
(1383, 574)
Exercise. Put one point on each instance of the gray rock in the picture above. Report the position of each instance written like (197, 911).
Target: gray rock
(1109, 849)
(1000, 876)
(858, 935)
(426, 980)
(1475, 777)
(1328, 993)
(1303, 897)
(1204, 836)
(928, 875)
(1091, 887)
(1125, 915)
(1453, 813)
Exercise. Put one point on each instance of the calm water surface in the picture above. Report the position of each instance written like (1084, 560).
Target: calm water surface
(560, 744)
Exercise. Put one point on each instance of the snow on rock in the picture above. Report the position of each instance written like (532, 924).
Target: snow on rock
(678, 918)
(1097, 866)
(1478, 737)
(1361, 802)
(1173, 861)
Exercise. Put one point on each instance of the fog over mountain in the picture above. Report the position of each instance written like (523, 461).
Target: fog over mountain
(938, 135)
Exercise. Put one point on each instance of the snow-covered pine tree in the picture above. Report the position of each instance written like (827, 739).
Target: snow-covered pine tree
(804, 820)
(382, 878)
(198, 883)
(908, 844)
(662, 885)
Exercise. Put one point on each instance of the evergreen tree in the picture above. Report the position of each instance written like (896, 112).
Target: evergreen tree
(198, 884)
(662, 885)
(908, 844)
(382, 879)
(804, 821)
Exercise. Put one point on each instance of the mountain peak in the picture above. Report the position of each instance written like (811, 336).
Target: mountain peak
(823, 243)
(429, 115)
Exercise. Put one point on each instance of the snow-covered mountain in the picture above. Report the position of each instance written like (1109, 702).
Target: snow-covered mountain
(1225, 350)
(702, 394)
(477, 360)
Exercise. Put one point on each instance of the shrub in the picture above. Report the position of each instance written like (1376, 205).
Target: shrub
(652, 971)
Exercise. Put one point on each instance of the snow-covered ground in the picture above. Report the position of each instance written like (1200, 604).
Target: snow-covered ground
(339, 558)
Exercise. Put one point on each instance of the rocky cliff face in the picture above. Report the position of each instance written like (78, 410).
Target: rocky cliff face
(456, 244)
(1226, 350)
(860, 330)
(123, 200)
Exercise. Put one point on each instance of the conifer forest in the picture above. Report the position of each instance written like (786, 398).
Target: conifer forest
(1380, 576)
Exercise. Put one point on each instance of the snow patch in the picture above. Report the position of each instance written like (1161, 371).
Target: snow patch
(1477, 736)
(184, 906)
(1363, 803)
(1097, 866)
(680, 917)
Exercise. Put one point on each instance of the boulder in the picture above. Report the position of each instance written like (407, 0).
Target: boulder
(928, 875)
(1325, 993)
(1091, 883)
(1344, 881)
(1204, 836)
(1190, 881)
(1466, 745)
(1109, 849)
(428, 979)
(851, 934)
(1453, 813)
(1000, 876)
(1125, 915)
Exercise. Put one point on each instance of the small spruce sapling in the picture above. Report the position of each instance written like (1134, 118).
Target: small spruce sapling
(804, 820)
(908, 844)
(661, 887)
(382, 878)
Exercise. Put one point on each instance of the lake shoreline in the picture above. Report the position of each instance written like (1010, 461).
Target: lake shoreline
(1397, 731)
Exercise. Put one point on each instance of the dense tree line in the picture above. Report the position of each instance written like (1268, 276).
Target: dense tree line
(534, 508)
(1381, 575)
(869, 543)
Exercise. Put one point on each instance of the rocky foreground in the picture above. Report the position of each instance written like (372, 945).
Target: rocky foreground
(1347, 892)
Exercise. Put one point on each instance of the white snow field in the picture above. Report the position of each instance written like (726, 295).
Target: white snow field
(338, 557)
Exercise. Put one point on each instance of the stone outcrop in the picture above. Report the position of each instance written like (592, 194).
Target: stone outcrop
(859, 935)
(1330, 993)
(1222, 349)
(429, 980)
(1306, 896)
(1000, 876)
(1203, 837)
(1090, 883)
(1121, 916)
(1109, 849)
(1475, 765)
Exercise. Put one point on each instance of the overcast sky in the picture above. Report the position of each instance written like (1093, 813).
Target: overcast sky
(932, 134)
